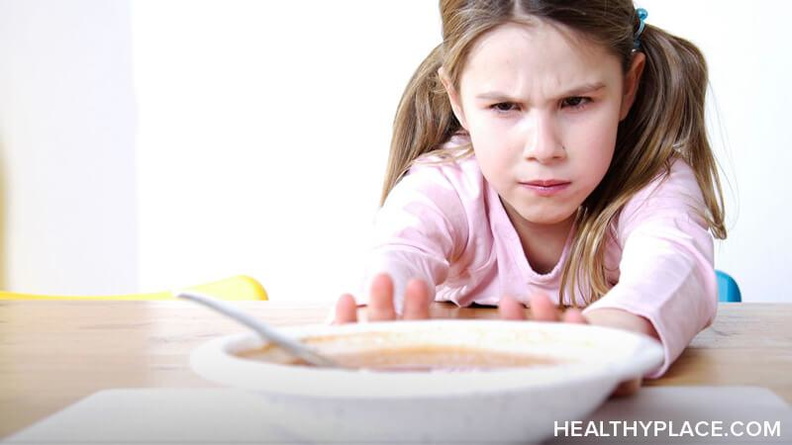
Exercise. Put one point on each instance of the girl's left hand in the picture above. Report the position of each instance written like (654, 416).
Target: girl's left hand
(542, 309)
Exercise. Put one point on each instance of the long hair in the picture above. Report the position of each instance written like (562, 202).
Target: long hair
(666, 120)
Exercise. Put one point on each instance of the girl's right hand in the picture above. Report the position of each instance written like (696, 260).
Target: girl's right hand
(380, 307)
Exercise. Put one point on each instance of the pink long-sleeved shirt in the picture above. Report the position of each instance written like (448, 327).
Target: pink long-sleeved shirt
(445, 224)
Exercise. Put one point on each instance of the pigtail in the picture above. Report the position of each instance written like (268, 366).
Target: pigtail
(424, 120)
(671, 112)
(666, 121)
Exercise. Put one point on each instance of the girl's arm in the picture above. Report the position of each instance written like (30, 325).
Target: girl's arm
(618, 318)
(666, 285)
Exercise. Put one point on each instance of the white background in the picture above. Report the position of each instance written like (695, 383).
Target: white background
(147, 145)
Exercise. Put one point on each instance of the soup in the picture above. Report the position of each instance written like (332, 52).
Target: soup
(425, 358)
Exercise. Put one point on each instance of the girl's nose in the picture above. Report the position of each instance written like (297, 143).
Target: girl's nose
(543, 143)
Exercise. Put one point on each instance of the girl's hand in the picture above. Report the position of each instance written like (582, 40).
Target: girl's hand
(380, 307)
(542, 309)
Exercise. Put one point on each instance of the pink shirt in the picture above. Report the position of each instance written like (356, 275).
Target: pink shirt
(445, 224)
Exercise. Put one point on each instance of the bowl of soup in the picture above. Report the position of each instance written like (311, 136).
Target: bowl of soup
(435, 381)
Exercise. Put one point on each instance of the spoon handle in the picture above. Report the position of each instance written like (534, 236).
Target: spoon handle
(289, 344)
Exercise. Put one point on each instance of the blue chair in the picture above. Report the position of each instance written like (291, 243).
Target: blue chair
(728, 290)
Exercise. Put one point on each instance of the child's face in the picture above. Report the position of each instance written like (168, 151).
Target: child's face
(542, 109)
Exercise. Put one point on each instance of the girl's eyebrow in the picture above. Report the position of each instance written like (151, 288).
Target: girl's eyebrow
(584, 89)
(579, 90)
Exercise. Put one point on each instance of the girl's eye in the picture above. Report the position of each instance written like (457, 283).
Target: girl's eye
(575, 102)
(504, 107)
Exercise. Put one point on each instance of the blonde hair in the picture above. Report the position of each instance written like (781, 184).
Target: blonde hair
(665, 122)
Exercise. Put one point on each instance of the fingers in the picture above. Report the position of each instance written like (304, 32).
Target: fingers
(542, 309)
(380, 306)
(574, 316)
(416, 300)
(511, 309)
(345, 310)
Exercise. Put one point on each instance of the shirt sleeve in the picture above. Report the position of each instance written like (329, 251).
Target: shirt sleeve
(419, 229)
(666, 269)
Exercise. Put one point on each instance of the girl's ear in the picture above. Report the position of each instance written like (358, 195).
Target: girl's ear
(631, 81)
(453, 97)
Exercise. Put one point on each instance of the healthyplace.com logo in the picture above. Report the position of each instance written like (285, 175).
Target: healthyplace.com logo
(666, 428)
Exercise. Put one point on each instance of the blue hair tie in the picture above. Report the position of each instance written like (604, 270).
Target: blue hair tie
(642, 15)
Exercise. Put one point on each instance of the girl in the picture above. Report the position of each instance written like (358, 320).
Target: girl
(552, 153)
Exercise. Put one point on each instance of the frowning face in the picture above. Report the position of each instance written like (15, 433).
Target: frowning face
(542, 108)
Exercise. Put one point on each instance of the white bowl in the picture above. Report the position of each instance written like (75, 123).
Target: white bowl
(508, 405)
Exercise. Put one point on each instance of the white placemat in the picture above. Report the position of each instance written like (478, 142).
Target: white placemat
(656, 415)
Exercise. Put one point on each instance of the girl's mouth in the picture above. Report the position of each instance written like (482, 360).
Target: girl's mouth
(546, 187)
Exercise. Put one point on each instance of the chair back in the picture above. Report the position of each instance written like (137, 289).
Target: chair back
(728, 290)
(239, 287)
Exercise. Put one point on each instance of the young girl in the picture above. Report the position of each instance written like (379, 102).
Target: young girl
(552, 153)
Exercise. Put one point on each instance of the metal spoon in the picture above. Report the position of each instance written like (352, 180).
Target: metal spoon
(266, 331)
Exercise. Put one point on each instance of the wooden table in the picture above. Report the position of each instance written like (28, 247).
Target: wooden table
(53, 353)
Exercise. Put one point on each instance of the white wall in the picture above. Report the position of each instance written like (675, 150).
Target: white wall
(264, 129)
(262, 132)
(67, 147)
(746, 44)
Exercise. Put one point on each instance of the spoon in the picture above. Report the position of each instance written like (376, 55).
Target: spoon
(264, 330)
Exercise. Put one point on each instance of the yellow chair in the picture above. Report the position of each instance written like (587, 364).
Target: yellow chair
(240, 287)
